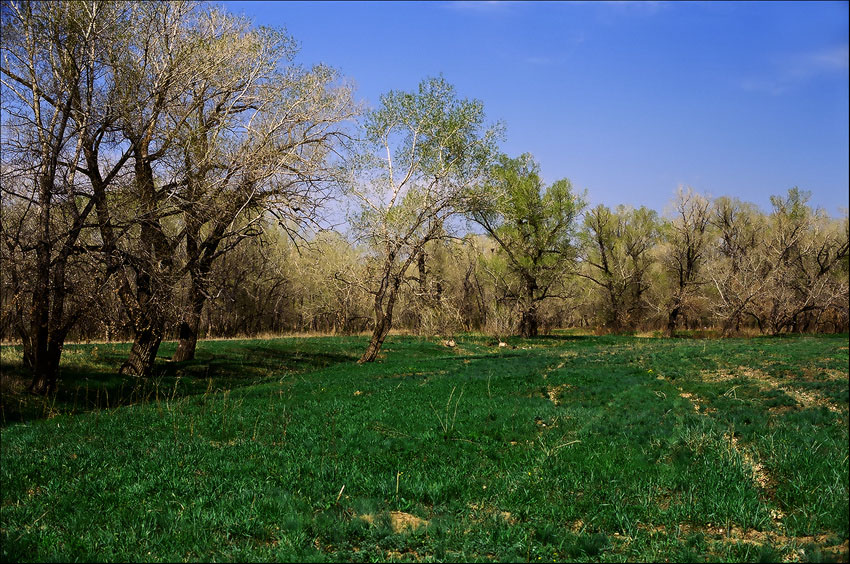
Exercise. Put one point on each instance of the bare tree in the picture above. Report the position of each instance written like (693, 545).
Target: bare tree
(259, 139)
(806, 251)
(616, 259)
(52, 56)
(684, 253)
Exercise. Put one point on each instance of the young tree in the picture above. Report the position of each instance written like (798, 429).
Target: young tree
(534, 229)
(422, 152)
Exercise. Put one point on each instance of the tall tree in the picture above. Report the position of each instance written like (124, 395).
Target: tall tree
(686, 242)
(52, 54)
(535, 231)
(421, 153)
(259, 139)
(219, 125)
(616, 258)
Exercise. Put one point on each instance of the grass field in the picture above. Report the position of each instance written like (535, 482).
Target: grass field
(562, 448)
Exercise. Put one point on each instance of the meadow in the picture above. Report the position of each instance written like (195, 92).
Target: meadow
(565, 447)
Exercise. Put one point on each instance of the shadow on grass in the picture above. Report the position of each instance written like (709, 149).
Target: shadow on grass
(89, 378)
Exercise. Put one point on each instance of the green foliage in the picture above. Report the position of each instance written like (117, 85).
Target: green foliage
(563, 448)
(535, 226)
(419, 155)
(534, 229)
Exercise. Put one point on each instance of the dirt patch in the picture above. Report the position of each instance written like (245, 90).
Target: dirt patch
(481, 511)
(696, 401)
(396, 555)
(810, 398)
(399, 521)
(766, 382)
(823, 375)
(760, 476)
(781, 409)
(402, 521)
(554, 393)
(576, 526)
(789, 545)
(368, 518)
(733, 374)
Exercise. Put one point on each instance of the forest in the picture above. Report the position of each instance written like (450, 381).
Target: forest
(169, 172)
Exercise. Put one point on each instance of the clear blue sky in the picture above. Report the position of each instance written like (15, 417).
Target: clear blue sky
(627, 100)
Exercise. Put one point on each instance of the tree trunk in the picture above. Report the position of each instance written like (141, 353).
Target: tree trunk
(189, 325)
(671, 320)
(383, 318)
(528, 326)
(143, 354)
(528, 323)
(46, 372)
(382, 328)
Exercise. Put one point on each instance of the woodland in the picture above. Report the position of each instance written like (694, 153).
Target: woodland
(169, 172)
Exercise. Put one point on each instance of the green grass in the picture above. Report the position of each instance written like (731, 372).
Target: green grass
(564, 448)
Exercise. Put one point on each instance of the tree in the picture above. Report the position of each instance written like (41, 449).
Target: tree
(806, 253)
(685, 245)
(534, 229)
(741, 268)
(218, 129)
(421, 153)
(615, 257)
(258, 140)
(52, 56)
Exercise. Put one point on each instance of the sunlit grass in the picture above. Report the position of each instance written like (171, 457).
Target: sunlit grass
(569, 447)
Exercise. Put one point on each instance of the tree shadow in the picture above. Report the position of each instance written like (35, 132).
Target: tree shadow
(89, 378)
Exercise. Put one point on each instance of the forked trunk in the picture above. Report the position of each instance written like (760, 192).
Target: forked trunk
(382, 328)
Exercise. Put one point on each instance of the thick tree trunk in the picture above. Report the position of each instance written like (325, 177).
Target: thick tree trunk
(46, 371)
(528, 325)
(672, 317)
(187, 338)
(528, 322)
(143, 354)
(152, 293)
(188, 329)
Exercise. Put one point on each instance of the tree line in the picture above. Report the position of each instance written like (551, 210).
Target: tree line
(169, 171)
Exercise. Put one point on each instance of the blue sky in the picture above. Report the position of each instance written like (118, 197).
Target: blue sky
(627, 100)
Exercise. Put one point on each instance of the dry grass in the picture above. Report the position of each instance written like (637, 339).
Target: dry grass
(766, 382)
